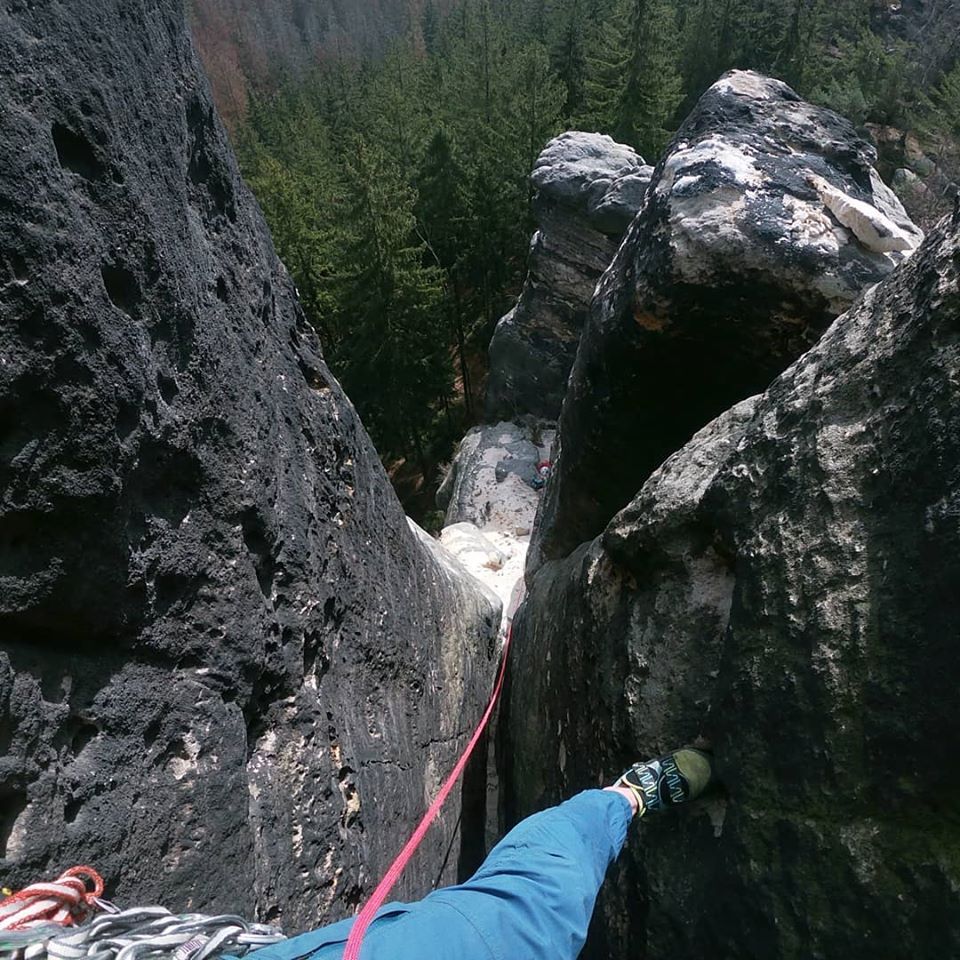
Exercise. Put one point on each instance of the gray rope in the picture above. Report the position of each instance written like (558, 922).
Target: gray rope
(140, 933)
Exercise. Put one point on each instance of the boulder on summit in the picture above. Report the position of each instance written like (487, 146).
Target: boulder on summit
(765, 219)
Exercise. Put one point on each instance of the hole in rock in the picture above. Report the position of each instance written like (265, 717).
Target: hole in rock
(222, 292)
(53, 685)
(90, 336)
(261, 553)
(199, 169)
(165, 483)
(128, 419)
(19, 266)
(122, 288)
(76, 153)
(168, 388)
(152, 731)
(35, 328)
(173, 334)
(71, 810)
(12, 804)
(85, 733)
(175, 589)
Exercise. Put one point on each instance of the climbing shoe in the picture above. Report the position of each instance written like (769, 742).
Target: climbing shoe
(676, 778)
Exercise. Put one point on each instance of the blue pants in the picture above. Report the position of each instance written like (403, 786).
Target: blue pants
(531, 900)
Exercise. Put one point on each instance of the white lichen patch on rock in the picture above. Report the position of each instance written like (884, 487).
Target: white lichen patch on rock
(732, 158)
(872, 228)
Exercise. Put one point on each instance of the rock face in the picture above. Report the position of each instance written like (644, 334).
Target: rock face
(588, 190)
(488, 458)
(787, 587)
(764, 221)
(230, 674)
(491, 503)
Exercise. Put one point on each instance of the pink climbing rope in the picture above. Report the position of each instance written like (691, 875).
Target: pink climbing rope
(366, 915)
(65, 900)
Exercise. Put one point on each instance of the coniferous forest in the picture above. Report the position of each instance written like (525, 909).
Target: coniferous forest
(397, 188)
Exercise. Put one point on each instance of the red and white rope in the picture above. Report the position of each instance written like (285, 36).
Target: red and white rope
(67, 900)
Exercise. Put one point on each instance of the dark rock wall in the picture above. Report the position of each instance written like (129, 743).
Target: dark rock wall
(588, 188)
(733, 268)
(230, 675)
(787, 588)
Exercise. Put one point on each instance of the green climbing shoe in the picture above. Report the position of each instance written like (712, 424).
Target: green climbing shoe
(676, 778)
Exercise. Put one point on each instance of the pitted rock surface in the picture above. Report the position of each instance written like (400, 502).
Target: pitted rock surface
(588, 190)
(765, 220)
(229, 671)
(787, 588)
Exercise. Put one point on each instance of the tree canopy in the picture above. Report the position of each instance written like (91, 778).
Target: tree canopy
(397, 189)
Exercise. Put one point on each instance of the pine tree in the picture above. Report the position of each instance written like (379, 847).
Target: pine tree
(478, 89)
(634, 86)
(946, 103)
(534, 111)
(430, 27)
(797, 50)
(391, 112)
(569, 58)
(699, 57)
(536, 19)
(440, 215)
(652, 88)
(607, 54)
(761, 36)
(288, 160)
(393, 358)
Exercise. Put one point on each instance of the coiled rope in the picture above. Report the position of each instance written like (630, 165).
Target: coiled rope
(65, 901)
(45, 921)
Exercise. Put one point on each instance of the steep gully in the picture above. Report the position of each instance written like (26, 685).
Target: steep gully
(208, 584)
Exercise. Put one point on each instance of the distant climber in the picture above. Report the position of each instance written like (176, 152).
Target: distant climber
(533, 897)
(540, 478)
